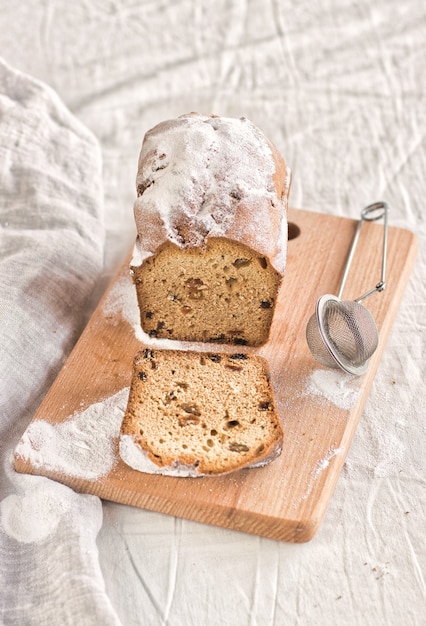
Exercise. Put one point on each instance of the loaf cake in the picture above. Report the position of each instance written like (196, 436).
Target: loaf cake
(211, 226)
(195, 413)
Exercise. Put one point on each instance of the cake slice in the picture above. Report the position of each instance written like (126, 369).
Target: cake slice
(199, 413)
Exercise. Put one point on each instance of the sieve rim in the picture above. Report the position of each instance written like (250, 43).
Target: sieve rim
(319, 311)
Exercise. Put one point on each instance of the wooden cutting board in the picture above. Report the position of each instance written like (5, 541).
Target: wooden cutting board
(319, 408)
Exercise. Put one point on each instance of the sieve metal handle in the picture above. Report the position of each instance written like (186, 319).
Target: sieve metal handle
(371, 213)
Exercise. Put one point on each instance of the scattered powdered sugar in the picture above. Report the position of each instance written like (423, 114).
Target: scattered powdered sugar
(380, 439)
(83, 445)
(122, 299)
(320, 467)
(334, 386)
(325, 462)
(39, 505)
(390, 453)
(33, 516)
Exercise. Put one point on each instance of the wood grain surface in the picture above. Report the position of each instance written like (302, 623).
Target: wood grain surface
(286, 500)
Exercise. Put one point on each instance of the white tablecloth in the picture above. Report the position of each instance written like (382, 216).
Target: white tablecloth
(340, 88)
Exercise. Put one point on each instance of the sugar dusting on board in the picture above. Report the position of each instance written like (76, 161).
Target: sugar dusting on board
(122, 299)
(334, 386)
(82, 446)
(322, 465)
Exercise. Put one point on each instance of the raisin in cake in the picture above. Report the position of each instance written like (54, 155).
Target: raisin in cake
(212, 230)
(196, 414)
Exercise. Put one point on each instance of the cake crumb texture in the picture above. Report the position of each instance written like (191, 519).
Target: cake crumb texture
(225, 293)
(211, 411)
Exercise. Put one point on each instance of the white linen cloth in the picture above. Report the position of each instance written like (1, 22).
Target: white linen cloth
(51, 252)
(340, 87)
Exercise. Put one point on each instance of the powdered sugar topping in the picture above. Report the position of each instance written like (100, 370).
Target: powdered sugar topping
(334, 386)
(205, 177)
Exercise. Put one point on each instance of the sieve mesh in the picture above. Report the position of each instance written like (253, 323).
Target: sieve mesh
(350, 334)
(343, 333)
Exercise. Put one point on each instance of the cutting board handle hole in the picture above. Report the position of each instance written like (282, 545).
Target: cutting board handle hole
(293, 231)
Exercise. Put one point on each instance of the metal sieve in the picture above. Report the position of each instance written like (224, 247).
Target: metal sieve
(343, 333)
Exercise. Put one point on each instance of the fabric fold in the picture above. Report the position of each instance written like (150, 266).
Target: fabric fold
(51, 254)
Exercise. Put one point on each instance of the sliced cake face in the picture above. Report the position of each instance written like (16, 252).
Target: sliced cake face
(195, 414)
(225, 293)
